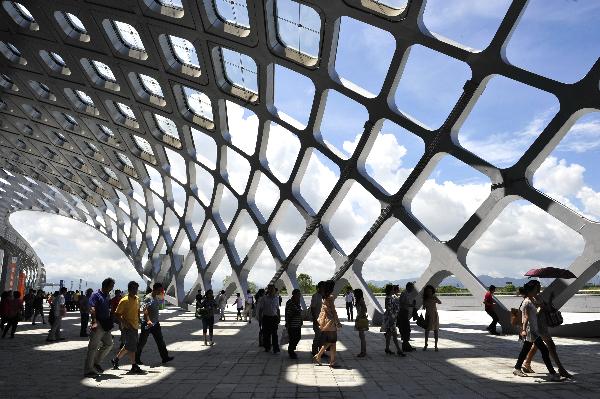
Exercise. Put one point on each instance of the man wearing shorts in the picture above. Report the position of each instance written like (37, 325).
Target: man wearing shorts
(128, 314)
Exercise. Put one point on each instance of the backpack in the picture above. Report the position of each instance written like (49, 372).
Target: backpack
(516, 316)
(553, 317)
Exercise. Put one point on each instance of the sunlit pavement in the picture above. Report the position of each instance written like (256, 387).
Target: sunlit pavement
(470, 363)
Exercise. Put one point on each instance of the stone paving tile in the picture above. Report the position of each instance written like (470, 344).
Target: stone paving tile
(470, 364)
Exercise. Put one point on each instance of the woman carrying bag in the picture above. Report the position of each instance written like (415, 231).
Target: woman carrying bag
(361, 323)
(206, 312)
(329, 323)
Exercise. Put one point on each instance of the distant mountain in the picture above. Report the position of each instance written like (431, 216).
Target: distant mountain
(455, 282)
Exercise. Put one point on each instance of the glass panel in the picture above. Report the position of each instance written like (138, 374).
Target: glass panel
(184, 51)
(298, 27)
(129, 35)
(75, 22)
(240, 70)
(198, 103)
(151, 85)
(104, 71)
(143, 144)
(126, 110)
(233, 11)
(167, 126)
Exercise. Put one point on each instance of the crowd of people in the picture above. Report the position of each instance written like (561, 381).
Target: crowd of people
(137, 320)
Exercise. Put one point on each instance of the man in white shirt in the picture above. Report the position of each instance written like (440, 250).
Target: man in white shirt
(222, 303)
(239, 302)
(270, 319)
(316, 302)
(350, 304)
(60, 311)
(407, 304)
(248, 306)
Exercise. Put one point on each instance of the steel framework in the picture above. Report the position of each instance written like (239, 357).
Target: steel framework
(100, 98)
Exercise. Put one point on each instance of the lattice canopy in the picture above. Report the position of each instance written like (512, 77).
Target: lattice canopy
(121, 114)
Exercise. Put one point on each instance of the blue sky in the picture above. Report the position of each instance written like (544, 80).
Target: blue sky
(555, 38)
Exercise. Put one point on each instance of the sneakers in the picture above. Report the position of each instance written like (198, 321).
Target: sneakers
(115, 363)
(135, 369)
(519, 373)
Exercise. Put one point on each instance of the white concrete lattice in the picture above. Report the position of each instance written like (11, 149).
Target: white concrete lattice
(100, 99)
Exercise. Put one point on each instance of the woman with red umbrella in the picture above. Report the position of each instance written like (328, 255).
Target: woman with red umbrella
(545, 334)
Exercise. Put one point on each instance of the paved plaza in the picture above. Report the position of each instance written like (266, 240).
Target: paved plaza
(470, 363)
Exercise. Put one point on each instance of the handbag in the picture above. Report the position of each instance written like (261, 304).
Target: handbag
(201, 313)
(285, 338)
(553, 317)
(421, 321)
(361, 324)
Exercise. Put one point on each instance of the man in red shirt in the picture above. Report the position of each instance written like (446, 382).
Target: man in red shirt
(12, 312)
(489, 303)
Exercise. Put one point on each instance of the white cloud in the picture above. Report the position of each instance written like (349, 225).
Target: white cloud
(582, 137)
(444, 208)
(556, 177)
(505, 148)
(523, 237)
(591, 201)
(72, 250)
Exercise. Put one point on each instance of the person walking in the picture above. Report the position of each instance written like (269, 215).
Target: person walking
(293, 321)
(76, 297)
(4, 303)
(101, 341)
(114, 302)
(248, 306)
(84, 311)
(316, 302)
(28, 301)
(151, 325)
(329, 324)
(544, 333)
(60, 311)
(38, 307)
(490, 308)
(128, 313)
(362, 320)
(390, 317)
(13, 313)
(270, 319)
(530, 333)
(432, 320)
(407, 305)
(350, 304)
(222, 304)
(208, 308)
(239, 302)
(198, 298)
(258, 300)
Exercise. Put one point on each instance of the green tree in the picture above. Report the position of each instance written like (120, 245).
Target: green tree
(375, 289)
(306, 284)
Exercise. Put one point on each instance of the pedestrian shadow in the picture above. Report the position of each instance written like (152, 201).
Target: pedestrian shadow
(106, 377)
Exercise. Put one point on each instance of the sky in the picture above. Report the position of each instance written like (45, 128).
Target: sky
(555, 38)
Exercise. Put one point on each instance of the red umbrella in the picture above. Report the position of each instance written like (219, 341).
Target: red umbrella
(550, 272)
